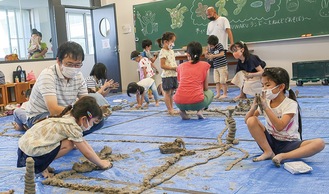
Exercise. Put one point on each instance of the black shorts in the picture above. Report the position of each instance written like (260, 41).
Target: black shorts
(41, 163)
(281, 146)
(169, 83)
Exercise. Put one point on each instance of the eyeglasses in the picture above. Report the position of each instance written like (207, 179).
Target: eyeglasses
(134, 58)
(75, 65)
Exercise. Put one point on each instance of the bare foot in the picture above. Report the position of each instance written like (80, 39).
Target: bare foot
(157, 104)
(277, 160)
(240, 97)
(47, 174)
(16, 126)
(217, 96)
(264, 156)
(172, 112)
(50, 169)
(296, 93)
(184, 115)
(200, 115)
(222, 96)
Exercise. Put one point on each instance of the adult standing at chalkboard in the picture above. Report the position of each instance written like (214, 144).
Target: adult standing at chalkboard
(220, 27)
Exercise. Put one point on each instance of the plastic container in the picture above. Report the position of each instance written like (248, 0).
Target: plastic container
(298, 167)
(22, 77)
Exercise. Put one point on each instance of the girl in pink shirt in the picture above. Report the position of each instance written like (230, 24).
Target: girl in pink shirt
(192, 92)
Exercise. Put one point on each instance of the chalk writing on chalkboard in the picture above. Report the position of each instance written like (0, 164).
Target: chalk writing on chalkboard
(240, 4)
(198, 13)
(324, 11)
(149, 26)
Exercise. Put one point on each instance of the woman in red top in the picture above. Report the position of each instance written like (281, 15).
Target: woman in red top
(192, 75)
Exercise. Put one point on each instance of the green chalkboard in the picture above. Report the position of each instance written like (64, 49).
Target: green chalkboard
(251, 21)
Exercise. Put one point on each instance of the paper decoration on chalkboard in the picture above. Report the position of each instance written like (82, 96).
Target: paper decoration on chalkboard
(177, 17)
(221, 7)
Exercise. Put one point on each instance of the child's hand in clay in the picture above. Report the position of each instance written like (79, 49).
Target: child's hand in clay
(263, 101)
(105, 164)
(254, 105)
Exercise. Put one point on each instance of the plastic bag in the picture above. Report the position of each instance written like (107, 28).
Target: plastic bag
(30, 76)
(12, 57)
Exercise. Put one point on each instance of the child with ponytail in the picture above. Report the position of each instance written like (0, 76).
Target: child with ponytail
(54, 137)
(193, 93)
(169, 66)
(280, 138)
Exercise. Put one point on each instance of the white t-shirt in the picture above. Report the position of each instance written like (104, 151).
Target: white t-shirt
(290, 132)
(146, 83)
(218, 28)
(169, 55)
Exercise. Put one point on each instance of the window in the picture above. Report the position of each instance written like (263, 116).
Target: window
(79, 28)
(17, 19)
(14, 32)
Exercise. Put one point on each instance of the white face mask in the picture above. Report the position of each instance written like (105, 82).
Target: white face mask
(269, 93)
(70, 72)
(171, 46)
(84, 128)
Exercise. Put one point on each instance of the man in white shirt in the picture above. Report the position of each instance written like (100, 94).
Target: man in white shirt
(220, 27)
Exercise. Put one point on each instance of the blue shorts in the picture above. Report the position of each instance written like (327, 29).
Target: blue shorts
(169, 83)
(41, 163)
(281, 146)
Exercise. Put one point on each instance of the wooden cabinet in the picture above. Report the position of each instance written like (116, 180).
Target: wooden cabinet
(20, 90)
(2, 96)
(10, 93)
(14, 93)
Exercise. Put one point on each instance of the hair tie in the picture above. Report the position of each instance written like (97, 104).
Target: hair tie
(89, 115)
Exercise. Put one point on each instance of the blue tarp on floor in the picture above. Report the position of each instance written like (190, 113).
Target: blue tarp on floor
(138, 134)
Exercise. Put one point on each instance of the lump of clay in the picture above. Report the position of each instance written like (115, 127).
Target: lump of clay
(175, 147)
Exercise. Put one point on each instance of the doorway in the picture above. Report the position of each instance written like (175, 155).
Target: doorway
(106, 41)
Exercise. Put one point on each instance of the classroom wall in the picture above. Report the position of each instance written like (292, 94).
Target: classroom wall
(37, 66)
(275, 53)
